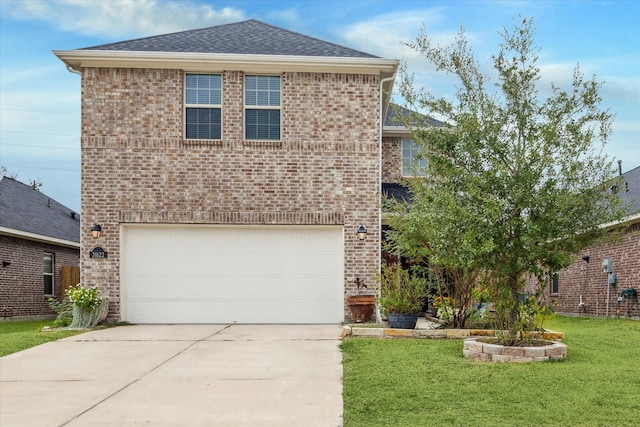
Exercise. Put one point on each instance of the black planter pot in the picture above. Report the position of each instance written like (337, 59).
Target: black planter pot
(403, 320)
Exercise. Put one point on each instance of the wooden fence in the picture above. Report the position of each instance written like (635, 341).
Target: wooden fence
(69, 276)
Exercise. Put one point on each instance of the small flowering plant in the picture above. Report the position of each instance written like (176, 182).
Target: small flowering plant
(445, 308)
(85, 298)
(441, 301)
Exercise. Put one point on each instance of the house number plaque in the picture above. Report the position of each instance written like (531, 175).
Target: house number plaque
(98, 253)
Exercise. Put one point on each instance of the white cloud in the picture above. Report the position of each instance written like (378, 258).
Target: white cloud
(385, 35)
(118, 18)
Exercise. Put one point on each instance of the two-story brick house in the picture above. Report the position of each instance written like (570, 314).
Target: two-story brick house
(230, 169)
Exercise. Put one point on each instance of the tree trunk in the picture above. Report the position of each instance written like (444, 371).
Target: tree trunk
(513, 313)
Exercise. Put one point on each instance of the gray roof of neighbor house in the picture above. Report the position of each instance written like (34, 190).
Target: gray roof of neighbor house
(392, 118)
(250, 37)
(25, 209)
(630, 190)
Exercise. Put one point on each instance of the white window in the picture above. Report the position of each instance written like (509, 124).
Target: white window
(262, 107)
(412, 162)
(47, 272)
(203, 101)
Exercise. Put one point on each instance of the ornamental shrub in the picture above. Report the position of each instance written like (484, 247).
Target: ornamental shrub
(64, 310)
(86, 298)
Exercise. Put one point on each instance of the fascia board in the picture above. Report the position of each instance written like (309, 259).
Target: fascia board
(38, 237)
(391, 131)
(628, 220)
(232, 62)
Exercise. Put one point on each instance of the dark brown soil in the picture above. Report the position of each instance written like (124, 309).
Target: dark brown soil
(516, 343)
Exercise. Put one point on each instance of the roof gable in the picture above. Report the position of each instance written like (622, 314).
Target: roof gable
(630, 190)
(250, 37)
(25, 209)
(396, 113)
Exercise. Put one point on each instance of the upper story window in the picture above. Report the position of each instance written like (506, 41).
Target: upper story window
(203, 101)
(412, 164)
(47, 272)
(262, 107)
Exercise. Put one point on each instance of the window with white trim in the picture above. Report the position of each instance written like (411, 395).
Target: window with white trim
(47, 273)
(203, 106)
(412, 162)
(262, 107)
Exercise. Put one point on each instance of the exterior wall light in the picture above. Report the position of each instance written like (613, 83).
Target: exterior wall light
(362, 232)
(96, 230)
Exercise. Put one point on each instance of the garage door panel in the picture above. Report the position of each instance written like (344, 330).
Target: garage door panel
(216, 274)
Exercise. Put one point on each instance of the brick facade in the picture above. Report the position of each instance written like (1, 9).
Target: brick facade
(22, 289)
(137, 168)
(587, 279)
(391, 159)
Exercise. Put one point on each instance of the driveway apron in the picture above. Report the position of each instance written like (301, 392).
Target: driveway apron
(178, 375)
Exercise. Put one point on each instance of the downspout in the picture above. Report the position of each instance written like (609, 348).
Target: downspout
(73, 70)
(382, 82)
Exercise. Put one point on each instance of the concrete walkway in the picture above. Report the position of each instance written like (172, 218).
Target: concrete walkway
(178, 375)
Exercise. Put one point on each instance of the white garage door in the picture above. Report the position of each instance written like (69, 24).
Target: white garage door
(222, 274)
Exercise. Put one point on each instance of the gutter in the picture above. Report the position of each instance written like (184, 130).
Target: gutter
(627, 220)
(191, 61)
(12, 232)
(73, 70)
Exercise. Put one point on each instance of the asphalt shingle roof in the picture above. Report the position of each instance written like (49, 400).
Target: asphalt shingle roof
(251, 37)
(392, 118)
(25, 209)
(630, 190)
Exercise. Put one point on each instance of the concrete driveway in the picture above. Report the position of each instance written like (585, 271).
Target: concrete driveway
(178, 375)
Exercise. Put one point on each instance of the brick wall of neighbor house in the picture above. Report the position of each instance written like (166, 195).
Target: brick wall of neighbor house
(588, 280)
(391, 159)
(22, 283)
(137, 168)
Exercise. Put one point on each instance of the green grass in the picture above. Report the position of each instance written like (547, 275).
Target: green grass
(18, 335)
(410, 382)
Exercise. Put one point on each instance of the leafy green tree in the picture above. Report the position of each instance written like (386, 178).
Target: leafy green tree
(513, 185)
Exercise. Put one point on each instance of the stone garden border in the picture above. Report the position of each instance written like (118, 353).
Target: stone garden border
(474, 349)
(357, 331)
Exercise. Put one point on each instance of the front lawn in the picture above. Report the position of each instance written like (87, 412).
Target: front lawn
(18, 335)
(411, 382)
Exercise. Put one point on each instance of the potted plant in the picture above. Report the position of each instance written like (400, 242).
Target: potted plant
(361, 306)
(401, 296)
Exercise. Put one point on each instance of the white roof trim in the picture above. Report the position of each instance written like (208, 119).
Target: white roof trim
(221, 61)
(396, 131)
(38, 237)
(627, 220)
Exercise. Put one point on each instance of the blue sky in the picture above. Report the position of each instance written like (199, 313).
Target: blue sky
(40, 99)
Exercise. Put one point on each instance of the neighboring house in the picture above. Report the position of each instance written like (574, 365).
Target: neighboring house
(230, 169)
(583, 287)
(39, 250)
